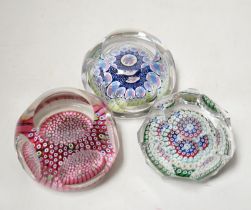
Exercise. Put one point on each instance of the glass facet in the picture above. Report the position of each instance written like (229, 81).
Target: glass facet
(129, 70)
(67, 139)
(187, 135)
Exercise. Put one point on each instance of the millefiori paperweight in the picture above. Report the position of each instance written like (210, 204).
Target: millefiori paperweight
(67, 139)
(129, 70)
(187, 135)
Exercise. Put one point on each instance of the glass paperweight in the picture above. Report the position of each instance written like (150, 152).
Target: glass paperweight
(67, 139)
(129, 70)
(187, 135)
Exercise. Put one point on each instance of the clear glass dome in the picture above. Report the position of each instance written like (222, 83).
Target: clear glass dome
(187, 135)
(129, 70)
(67, 139)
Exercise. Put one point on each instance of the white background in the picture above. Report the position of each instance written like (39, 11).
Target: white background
(42, 45)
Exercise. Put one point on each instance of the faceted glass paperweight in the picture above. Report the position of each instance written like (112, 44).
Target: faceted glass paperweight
(129, 70)
(67, 139)
(187, 135)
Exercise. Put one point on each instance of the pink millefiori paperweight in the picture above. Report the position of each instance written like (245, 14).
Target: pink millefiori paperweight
(67, 139)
